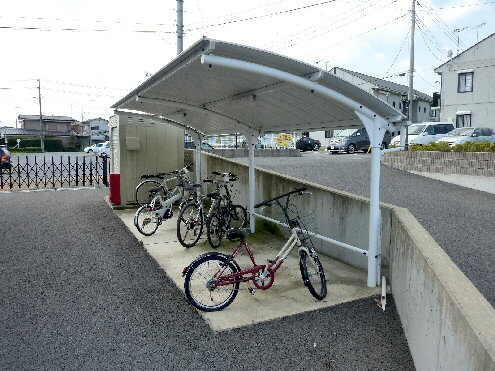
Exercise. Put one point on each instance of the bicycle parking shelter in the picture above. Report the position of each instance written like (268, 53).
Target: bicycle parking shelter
(216, 87)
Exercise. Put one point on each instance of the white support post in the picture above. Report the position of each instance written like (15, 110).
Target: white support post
(197, 152)
(376, 132)
(251, 139)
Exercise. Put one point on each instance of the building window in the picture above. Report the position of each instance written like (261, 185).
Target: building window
(424, 109)
(463, 121)
(328, 133)
(400, 105)
(465, 82)
(393, 104)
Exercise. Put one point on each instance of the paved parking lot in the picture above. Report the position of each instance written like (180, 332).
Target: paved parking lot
(460, 219)
(79, 291)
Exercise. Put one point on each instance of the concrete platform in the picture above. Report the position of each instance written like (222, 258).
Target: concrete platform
(286, 297)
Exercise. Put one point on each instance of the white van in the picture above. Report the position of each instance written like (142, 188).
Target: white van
(425, 133)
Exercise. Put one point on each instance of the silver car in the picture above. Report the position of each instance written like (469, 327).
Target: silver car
(463, 135)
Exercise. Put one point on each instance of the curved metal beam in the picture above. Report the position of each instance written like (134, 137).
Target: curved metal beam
(289, 78)
(194, 108)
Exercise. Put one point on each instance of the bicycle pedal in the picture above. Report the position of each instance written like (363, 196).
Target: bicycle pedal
(252, 290)
(271, 261)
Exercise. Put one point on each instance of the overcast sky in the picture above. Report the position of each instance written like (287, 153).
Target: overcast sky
(88, 54)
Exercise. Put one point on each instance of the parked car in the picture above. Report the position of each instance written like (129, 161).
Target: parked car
(4, 158)
(463, 135)
(426, 132)
(104, 150)
(308, 144)
(191, 145)
(94, 148)
(352, 140)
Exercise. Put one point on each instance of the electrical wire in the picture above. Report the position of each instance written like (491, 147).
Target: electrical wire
(334, 27)
(282, 12)
(400, 50)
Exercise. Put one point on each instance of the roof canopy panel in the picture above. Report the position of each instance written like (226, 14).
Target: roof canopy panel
(219, 99)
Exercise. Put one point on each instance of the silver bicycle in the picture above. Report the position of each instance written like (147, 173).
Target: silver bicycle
(161, 200)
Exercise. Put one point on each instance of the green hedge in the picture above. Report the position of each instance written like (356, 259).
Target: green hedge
(51, 145)
(466, 147)
(26, 150)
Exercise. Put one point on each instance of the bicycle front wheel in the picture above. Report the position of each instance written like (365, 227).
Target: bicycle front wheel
(147, 190)
(238, 217)
(189, 224)
(312, 274)
(215, 230)
(146, 220)
(201, 287)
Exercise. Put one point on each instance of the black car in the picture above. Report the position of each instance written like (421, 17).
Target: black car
(192, 145)
(308, 144)
(4, 158)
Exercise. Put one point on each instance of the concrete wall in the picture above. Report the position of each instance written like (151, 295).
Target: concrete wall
(449, 325)
(462, 163)
(329, 212)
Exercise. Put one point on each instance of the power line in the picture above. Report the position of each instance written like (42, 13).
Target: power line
(282, 12)
(318, 33)
(366, 32)
(439, 22)
(400, 50)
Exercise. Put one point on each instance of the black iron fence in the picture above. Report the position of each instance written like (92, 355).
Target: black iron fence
(37, 172)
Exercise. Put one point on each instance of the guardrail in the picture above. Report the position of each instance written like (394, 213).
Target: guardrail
(38, 172)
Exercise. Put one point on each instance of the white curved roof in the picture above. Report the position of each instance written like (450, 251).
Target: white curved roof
(216, 99)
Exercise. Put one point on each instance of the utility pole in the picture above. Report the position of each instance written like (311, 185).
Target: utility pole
(180, 26)
(41, 118)
(410, 95)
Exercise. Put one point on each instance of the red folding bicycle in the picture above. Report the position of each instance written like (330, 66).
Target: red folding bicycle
(212, 280)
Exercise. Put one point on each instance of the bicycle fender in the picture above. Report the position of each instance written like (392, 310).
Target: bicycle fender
(184, 271)
(304, 248)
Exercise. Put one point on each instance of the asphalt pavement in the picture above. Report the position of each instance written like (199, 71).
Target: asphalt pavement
(460, 219)
(78, 291)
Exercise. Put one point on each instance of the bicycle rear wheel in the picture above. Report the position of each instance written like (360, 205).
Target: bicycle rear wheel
(312, 274)
(215, 230)
(189, 224)
(146, 220)
(148, 189)
(238, 217)
(200, 283)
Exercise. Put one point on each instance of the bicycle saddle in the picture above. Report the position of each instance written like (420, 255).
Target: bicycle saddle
(193, 185)
(214, 194)
(237, 234)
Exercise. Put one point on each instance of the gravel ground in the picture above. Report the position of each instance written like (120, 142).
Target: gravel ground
(461, 220)
(78, 291)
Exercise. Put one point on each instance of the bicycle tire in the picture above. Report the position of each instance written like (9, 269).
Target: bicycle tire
(215, 230)
(189, 224)
(146, 220)
(200, 274)
(142, 195)
(312, 274)
(238, 217)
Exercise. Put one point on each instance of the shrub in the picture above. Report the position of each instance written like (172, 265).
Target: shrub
(474, 147)
(444, 147)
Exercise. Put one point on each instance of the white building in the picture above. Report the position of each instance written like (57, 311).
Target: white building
(468, 86)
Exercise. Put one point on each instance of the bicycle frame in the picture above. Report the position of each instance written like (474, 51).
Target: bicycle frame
(266, 270)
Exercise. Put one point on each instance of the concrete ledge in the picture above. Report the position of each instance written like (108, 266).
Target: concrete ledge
(449, 325)
(463, 163)
(258, 152)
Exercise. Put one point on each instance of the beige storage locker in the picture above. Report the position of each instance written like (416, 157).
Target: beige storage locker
(140, 146)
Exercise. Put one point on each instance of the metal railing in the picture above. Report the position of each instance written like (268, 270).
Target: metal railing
(41, 172)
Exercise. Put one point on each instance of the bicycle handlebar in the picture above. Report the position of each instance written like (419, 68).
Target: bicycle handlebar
(159, 176)
(268, 202)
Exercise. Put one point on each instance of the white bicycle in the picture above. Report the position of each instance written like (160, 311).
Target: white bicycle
(161, 200)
